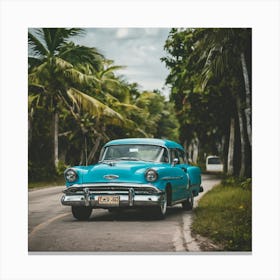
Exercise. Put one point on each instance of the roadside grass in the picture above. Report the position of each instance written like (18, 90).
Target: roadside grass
(224, 215)
(59, 181)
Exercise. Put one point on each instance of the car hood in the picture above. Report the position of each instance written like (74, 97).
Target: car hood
(119, 171)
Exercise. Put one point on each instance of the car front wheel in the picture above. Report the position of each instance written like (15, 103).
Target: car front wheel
(81, 213)
(188, 204)
(160, 211)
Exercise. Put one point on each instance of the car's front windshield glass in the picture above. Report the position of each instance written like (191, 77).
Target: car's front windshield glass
(136, 153)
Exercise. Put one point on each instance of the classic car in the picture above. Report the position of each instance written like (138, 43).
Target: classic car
(133, 173)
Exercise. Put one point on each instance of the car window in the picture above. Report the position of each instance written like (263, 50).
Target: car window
(165, 157)
(214, 160)
(136, 152)
(181, 156)
(173, 154)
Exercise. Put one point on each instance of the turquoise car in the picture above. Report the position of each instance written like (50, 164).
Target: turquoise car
(133, 173)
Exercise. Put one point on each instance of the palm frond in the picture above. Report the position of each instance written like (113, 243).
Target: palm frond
(62, 64)
(111, 69)
(94, 107)
(36, 46)
(33, 62)
(38, 74)
(77, 77)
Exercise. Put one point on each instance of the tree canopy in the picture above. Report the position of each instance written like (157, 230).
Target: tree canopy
(77, 102)
(210, 79)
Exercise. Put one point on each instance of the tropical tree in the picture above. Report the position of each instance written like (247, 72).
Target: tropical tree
(57, 70)
(207, 85)
(224, 52)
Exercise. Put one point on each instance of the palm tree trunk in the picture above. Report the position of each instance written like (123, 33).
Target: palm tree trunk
(248, 97)
(95, 148)
(231, 147)
(81, 157)
(242, 138)
(55, 139)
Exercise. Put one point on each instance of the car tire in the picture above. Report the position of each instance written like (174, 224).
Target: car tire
(159, 212)
(81, 213)
(188, 204)
(115, 210)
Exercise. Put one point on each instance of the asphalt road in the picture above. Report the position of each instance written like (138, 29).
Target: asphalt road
(52, 228)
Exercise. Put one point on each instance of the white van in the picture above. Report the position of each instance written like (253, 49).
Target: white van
(214, 164)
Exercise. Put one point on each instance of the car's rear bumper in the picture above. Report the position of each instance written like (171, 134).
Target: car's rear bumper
(129, 195)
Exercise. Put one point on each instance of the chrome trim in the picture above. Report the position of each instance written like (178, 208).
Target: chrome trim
(86, 196)
(188, 185)
(110, 177)
(178, 201)
(128, 185)
(172, 178)
(71, 169)
(138, 200)
(131, 195)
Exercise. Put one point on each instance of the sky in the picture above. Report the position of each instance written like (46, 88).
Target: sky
(139, 49)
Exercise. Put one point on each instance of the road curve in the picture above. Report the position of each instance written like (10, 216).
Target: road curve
(51, 227)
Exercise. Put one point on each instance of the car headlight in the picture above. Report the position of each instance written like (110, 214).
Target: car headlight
(70, 175)
(151, 175)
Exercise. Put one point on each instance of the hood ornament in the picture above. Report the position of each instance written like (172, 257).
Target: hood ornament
(111, 177)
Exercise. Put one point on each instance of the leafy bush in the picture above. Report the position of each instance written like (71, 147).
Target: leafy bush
(61, 168)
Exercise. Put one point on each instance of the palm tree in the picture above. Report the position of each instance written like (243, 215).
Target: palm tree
(224, 52)
(57, 70)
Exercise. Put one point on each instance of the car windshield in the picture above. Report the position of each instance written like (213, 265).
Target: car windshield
(136, 153)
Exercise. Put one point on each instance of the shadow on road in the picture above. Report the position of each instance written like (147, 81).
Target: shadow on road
(130, 215)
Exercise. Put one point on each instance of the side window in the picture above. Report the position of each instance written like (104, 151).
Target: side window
(173, 154)
(164, 157)
(181, 156)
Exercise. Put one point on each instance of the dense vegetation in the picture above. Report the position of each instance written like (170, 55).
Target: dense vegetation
(225, 215)
(210, 79)
(76, 101)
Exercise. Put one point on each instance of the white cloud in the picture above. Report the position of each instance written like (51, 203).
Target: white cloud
(152, 31)
(139, 49)
(122, 33)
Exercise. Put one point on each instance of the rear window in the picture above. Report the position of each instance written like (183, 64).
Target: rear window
(214, 160)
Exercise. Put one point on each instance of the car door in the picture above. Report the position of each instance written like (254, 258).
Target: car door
(180, 173)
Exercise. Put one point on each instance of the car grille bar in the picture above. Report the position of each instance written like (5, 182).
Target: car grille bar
(111, 188)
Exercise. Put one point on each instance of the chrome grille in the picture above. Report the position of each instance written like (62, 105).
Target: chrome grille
(110, 189)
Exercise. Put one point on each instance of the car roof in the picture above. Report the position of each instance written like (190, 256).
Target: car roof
(146, 141)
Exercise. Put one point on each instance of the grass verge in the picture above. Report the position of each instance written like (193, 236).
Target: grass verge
(59, 181)
(224, 215)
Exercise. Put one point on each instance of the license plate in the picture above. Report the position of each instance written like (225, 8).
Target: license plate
(109, 200)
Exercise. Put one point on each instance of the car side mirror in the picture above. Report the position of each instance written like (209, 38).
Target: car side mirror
(175, 161)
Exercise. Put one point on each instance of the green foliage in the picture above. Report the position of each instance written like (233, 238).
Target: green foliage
(94, 105)
(205, 76)
(224, 215)
(247, 184)
(61, 168)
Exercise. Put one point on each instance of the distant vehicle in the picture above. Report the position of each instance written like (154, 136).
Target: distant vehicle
(136, 172)
(214, 164)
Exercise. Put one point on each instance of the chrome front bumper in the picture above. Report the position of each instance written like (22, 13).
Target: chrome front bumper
(130, 195)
